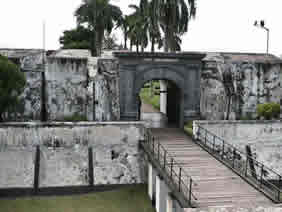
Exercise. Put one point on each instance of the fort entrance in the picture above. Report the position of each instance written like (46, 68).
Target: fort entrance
(181, 70)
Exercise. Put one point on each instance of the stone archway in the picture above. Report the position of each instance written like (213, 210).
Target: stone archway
(183, 69)
(162, 72)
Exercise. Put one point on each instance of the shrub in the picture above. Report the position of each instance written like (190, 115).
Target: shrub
(268, 110)
(12, 83)
(188, 128)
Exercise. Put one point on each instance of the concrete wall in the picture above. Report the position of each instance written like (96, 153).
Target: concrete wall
(255, 79)
(67, 88)
(264, 137)
(64, 153)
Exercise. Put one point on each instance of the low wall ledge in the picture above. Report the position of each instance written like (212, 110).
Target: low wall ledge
(68, 124)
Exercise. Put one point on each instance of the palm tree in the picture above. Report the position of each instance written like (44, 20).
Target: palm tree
(138, 28)
(174, 16)
(99, 16)
(143, 25)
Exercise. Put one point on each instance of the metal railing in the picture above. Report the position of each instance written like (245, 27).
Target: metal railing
(255, 172)
(180, 180)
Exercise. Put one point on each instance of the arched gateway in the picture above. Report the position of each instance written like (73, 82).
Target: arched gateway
(182, 69)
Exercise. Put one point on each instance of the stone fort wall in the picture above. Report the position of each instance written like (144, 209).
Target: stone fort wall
(78, 84)
(64, 153)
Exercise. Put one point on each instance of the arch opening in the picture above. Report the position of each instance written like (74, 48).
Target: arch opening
(159, 103)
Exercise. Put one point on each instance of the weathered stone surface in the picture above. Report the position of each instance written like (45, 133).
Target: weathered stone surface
(64, 153)
(16, 169)
(251, 79)
(107, 91)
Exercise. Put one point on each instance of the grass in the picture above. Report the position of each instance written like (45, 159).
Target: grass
(130, 199)
(153, 100)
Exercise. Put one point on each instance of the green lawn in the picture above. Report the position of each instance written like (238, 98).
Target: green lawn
(132, 199)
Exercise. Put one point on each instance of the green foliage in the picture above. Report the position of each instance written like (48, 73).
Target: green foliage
(75, 118)
(149, 97)
(78, 38)
(268, 110)
(12, 82)
(99, 16)
(124, 200)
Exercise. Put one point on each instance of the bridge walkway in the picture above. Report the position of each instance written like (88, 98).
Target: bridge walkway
(215, 184)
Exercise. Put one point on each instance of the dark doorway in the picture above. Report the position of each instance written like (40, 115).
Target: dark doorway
(173, 105)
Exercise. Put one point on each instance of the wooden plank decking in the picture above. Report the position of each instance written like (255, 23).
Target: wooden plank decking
(215, 184)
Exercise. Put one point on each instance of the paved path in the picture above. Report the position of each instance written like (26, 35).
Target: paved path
(215, 184)
(147, 108)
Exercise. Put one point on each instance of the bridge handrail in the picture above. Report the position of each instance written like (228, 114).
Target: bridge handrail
(172, 168)
(246, 166)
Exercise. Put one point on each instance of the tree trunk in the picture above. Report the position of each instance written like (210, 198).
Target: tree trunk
(153, 45)
(131, 45)
(166, 44)
(125, 41)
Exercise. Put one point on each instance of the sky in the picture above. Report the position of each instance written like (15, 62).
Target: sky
(220, 25)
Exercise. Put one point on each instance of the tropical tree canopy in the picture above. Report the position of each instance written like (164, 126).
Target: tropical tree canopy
(12, 82)
(151, 19)
(98, 16)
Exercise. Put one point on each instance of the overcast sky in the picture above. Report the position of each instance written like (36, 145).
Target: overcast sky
(220, 25)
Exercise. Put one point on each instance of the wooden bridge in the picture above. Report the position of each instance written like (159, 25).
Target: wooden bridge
(214, 184)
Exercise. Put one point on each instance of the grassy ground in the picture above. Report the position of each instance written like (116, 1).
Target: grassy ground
(130, 199)
(146, 97)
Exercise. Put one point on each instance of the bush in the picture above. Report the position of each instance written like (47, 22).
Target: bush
(12, 83)
(188, 128)
(268, 110)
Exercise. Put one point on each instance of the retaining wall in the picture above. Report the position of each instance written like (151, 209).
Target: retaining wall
(64, 153)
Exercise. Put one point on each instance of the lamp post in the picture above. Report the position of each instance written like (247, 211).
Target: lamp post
(261, 24)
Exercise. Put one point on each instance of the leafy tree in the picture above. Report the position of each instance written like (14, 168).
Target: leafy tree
(12, 82)
(98, 16)
(78, 38)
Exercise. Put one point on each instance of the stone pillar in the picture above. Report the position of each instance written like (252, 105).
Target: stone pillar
(163, 96)
(151, 182)
(161, 195)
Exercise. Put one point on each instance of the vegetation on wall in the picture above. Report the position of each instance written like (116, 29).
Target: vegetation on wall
(268, 110)
(12, 83)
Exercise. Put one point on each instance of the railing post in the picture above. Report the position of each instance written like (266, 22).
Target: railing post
(234, 155)
(158, 151)
(246, 167)
(179, 179)
(190, 191)
(171, 167)
(164, 158)
(206, 137)
(223, 144)
(153, 144)
(198, 132)
(279, 186)
(261, 175)
(213, 145)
